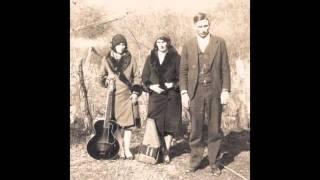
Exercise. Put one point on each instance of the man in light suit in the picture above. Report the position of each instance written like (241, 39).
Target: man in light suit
(205, 86)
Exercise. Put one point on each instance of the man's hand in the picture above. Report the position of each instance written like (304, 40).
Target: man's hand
(134, 98)
(224, 97)
(185, 100)
(156, 88)
(168, 85)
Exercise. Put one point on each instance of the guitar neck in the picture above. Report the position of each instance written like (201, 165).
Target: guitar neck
(108, 108)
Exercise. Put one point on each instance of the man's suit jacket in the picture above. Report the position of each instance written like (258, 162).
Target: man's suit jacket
(189, 65)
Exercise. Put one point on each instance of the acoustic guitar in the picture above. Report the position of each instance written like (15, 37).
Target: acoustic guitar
(103, 145)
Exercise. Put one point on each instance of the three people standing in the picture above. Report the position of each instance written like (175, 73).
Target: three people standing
(198, 80)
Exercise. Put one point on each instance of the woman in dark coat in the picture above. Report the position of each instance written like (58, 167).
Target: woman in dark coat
(160, 78)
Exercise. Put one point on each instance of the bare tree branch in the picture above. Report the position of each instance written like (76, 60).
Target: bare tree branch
(83, 89)
(106, 21)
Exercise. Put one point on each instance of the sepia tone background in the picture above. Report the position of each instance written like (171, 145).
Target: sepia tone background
(92, 25)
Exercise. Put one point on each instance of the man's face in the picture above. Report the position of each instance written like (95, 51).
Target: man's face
(202, 28)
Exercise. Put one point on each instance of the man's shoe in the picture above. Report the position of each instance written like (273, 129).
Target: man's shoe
(216, 171)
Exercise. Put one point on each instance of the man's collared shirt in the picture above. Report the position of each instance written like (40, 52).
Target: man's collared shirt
(203, 42)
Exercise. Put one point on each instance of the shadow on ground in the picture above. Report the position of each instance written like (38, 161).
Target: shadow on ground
(231, 146)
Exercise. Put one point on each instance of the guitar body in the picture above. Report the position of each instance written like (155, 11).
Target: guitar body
(103, 145)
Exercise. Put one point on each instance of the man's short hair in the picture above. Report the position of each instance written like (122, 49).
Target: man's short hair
(200, 16)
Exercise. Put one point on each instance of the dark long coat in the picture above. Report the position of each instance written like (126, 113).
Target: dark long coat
(165, 108)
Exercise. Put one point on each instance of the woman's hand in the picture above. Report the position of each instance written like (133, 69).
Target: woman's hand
(110, 80)
(168, 85)
(156, 88)
(134, 98)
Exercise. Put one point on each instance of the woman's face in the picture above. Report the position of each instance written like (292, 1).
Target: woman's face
(120, 48)
(162, 45)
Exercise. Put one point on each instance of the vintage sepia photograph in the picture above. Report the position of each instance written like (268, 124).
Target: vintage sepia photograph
(160, 89)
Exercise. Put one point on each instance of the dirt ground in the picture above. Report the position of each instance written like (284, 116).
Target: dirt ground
(235, 147)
